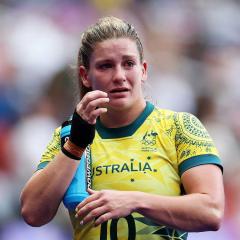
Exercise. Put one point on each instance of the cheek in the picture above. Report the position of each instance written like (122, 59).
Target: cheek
(98, 83)
(136, 78)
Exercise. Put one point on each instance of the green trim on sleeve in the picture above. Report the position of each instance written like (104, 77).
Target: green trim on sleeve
(42, 165)
(199, 160)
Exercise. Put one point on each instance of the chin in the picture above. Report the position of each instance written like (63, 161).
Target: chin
(119, 104)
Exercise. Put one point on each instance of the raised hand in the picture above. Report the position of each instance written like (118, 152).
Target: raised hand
(92, 106)
(83, 123)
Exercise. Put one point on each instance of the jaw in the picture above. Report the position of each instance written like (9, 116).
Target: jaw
(125, 102)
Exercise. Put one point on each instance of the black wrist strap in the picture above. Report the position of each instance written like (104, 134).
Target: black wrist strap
(82, 133)
(70, 155)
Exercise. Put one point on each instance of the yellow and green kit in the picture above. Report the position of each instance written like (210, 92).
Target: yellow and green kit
(149, 155)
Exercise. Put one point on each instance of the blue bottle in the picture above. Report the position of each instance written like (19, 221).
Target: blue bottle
(77, 190)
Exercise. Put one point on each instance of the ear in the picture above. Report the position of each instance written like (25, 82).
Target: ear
(83, 73)
(144, 71)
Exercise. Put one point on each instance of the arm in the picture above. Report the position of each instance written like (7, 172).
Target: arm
(43, 193)
(200, 210)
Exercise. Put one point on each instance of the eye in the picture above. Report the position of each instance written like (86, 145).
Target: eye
(129, 63)
(104, 66)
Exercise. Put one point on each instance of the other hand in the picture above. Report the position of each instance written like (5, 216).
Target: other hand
(103, 205)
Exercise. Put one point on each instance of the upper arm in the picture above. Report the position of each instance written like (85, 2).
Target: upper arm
(52, 149)
(205, 179)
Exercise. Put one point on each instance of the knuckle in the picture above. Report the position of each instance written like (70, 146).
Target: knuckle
(103, 201)
(87, 95)
(78, 108)
(87, 208)
(92, 116)
(103, 218)
(109, 207)
(94, 213)
(91, 104)
(101, 193)
(98, 92)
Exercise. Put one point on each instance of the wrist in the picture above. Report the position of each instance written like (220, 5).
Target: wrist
(82, 133)
(72, 150)
(140, 202)
(137, 203)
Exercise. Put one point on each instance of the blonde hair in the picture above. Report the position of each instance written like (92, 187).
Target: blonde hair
(105, 28)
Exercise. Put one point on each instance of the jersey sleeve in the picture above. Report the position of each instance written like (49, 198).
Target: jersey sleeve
(51, 150)
(194, 145)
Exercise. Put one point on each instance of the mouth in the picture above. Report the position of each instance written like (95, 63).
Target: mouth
(119, 90)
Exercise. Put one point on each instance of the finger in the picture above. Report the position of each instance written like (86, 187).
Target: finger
(96, 103)
(92, 116)
(95, 114)
(88, 208)
(91, 191)
(94, 214)
(87, 110)
(103, 218)
(90, 96)
(91, 198)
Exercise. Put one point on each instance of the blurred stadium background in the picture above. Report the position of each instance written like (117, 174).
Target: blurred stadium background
(193, 50)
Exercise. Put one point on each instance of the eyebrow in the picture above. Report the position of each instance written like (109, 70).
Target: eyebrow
(111, 59)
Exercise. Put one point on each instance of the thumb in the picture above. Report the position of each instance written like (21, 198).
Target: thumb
(90, 191)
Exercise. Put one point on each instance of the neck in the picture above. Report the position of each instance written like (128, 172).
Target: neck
(120, 118)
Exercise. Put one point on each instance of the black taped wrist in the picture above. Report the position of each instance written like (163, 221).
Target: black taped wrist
(70, 155)
(82, 133)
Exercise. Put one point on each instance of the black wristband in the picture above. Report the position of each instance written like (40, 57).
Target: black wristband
(70, 155)
(82, 133)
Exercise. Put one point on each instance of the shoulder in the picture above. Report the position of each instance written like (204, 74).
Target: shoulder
(51, 149)
(182, 121)
(57, 132)
(162, 116)
(55, 142)
(190, 126)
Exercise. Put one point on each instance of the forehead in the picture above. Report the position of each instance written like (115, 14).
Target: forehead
(116, 47)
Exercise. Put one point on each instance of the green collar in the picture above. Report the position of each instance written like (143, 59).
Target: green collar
(126, 131)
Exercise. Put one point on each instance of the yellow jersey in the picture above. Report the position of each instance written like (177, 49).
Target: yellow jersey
(149, 155)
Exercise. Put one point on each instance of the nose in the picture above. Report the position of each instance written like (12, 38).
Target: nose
(119, 75)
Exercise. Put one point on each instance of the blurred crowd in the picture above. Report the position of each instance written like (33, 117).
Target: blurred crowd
(193, 51)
